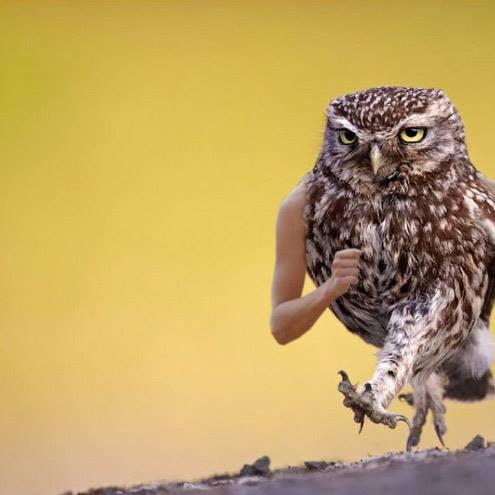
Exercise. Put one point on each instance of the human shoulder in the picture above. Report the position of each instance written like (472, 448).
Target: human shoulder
(296, 199)
(292, 206)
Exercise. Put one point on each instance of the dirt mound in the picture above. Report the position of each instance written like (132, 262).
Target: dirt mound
(429, 472)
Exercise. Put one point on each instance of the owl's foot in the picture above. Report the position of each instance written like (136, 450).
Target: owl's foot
(418, 420)
(431, 403)
(364, 404)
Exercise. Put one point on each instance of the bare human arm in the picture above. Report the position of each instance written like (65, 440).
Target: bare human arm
(293, 315)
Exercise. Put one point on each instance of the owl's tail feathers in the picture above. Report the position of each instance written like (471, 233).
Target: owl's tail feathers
(466, 388)
(468, 372)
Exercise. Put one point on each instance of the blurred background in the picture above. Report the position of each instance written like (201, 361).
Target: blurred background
(145, 147)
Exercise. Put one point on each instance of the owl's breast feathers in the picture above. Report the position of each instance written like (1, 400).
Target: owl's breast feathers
(443, 239)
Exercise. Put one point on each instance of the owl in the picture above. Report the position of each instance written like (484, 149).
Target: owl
(394, 179)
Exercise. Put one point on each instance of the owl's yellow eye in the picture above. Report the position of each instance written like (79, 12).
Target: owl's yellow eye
(347, 137)
(412, 134)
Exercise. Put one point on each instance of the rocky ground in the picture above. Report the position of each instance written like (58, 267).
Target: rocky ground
(470, 471)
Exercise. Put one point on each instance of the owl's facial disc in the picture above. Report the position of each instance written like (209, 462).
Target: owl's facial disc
(385, 139)
(381, 151)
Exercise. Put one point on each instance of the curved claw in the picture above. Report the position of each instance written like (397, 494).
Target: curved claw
(399, 417)
(361, 424)
(359, 417)
(439, 435)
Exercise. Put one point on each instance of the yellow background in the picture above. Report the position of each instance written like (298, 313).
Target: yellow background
(144, 150)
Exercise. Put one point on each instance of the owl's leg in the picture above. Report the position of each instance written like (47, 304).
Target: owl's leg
(437, 407)
(394, 369)
(408, 353)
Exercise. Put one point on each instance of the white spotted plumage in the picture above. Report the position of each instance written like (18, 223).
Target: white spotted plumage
(425, 223)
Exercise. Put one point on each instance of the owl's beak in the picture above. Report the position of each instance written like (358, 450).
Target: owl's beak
(375, 158)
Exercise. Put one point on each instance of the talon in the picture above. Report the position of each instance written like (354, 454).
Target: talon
(394, 419)
(439, 433)
(346, 387)
(404, 419)
(361, 425)
(359, 418)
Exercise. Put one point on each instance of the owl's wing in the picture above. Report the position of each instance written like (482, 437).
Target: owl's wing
(489, 225)
(489, 296)
(490, 184)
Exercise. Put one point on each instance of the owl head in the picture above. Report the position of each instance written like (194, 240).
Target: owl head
(387, 137)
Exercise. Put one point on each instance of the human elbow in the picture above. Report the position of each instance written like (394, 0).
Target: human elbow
(279, 333)
(281, 338)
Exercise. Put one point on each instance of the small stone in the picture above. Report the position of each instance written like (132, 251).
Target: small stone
(261, 467)
(106, 490)
(317, 465)
(477, 443)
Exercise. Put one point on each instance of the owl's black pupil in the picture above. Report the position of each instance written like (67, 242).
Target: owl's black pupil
(411, 132)
(349, 135)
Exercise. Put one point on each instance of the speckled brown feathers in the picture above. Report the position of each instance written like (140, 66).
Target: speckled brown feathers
(425, 223)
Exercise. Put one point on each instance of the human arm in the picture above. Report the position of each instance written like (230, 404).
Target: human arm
(293, 315)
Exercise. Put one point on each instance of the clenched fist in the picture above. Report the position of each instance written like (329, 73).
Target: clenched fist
(345, 271)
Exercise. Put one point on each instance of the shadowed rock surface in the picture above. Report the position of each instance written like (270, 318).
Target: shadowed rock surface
(429, 472)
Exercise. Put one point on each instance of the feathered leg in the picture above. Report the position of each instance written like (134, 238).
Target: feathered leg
(408, 324)
(393, 371)
(466, 375)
